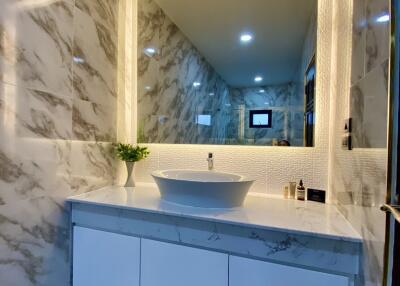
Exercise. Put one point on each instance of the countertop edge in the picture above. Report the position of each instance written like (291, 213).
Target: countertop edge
(75, 199)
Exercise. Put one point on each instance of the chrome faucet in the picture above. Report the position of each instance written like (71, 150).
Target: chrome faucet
(210, 161)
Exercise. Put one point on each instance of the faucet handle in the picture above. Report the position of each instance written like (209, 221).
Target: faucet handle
(210, 155)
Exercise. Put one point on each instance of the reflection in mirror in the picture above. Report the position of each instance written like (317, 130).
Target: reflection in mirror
(227, 72)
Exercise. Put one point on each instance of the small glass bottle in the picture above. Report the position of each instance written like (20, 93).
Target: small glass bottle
(286, 192)
(301, 191)
(292, 190)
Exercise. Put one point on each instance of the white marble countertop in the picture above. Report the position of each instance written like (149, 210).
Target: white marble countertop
(292, 216)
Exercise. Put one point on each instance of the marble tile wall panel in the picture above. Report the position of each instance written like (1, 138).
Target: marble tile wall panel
(44, 115)
(35, 170)
(33, 225)
(370, 53)
(47, 101)
(368, 108)
(94, 122)
(95, 38)
(95, 69)
(36, 44)
(97, 160)
(34, 243)
(93, 165)
(33, 162)
(25, 177)
(358, 177)
(377, 34)
(35, 114)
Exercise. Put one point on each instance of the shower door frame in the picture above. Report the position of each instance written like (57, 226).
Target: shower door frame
(392, 241)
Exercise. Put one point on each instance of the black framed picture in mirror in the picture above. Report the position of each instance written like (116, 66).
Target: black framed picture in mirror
(260, 119)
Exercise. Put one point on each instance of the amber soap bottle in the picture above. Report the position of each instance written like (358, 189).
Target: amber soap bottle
(301, 191)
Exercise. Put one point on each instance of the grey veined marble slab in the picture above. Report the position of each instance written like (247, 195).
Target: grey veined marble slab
(292, 216)
(301, 234)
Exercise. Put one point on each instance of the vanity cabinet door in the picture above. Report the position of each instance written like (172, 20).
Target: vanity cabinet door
(244, 272)
(165, 264)
(104, 258)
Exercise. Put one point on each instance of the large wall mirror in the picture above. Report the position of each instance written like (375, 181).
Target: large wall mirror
(227, 72)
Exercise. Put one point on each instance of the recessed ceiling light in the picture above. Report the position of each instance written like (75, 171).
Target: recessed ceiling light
(261, 91)
(150, 51)
(258, 78)
(211, 94)
(196, 84)
(147, 87)
(245, 38)
(383, 18)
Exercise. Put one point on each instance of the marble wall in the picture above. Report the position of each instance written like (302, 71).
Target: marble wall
(369, 77)
(358, 177)
(58, 113)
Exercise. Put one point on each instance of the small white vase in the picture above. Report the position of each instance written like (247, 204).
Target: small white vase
(130, 180)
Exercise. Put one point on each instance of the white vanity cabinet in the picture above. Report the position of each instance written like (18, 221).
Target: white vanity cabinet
(244, 272)
(104, 258)
(165, 264)
(141, 243)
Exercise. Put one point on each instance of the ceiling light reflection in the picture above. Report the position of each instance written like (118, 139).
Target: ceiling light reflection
(383, 18)
(246, 38)
(258, 78)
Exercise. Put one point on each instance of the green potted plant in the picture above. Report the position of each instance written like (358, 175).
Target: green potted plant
(131, 154)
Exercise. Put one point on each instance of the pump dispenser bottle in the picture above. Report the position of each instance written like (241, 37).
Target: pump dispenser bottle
(301, 191)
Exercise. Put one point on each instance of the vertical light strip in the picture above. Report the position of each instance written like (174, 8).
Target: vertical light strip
(134, 88)
(129, 61)
(341, 78)
(125, 90)
(332, 107)
(121, 95)
(127, 66)
(10, 90)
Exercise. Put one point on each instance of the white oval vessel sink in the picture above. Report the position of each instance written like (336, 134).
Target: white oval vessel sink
(206, 189)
